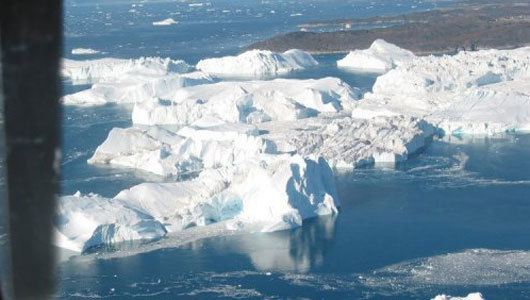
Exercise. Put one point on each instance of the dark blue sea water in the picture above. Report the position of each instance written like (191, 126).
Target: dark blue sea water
(453, 219)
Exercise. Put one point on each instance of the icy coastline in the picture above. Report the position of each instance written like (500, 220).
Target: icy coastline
(264, 151)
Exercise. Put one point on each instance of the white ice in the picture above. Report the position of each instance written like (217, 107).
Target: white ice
(165, 22)
(483, 92)
(133, 87)
(472, 296)
(248, 102)
(258, 63)
(97, 69)
(272, 192)
(379, 58)
(84, 51)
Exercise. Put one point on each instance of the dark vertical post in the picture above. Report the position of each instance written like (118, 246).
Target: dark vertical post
(31, 42)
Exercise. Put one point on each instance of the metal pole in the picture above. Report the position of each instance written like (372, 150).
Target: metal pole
(31, 41)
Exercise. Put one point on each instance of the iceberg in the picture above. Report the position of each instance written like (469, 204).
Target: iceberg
(91, 71)
(134, 87)
(210, 143)
(258, 63)
(83, 222)
(348, 143)
(271, 193)
(482, 92)
(249, 102)
(190, 149)
(472, 296)
(379, 58)
(84, 51)
(165, 22)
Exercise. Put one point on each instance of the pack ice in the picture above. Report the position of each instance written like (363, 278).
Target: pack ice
(258, 63)
(248, 102)
(482, 92)
(379, 58)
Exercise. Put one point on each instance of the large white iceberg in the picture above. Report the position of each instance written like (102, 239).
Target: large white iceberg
(344, 142)
(83, 222)
(472, 296)
(135, 87)
(189, 149)
(379, 58)
(258, 63)
(81, 71)
(271, 193)
(483, 92)
(348, 143)
(249, 102)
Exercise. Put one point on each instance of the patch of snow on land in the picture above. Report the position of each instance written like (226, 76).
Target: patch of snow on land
(84, 51)
(258, 63)
(91, 71)
(379, 58)
(483, 92)
(472, 296)
(165, 22)
(248, 102)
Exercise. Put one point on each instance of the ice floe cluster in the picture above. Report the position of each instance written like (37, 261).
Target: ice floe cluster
(84, 51)
(482, 92)
(260, 153)
(247, 102)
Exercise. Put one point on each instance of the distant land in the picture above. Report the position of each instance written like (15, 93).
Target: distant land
(468, 25)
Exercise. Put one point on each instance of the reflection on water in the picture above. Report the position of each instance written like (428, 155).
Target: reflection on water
(292, 251)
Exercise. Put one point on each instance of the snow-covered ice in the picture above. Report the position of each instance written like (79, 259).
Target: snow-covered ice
(165, 22)
(472, 296)
(249, 102)
(379, 58)
(483, 92)
(84, 51)
(134, 87)
(97, 69)
(171, 153)
(348, 143)
(274, 192)
(210, 143)
(258, 63)
(87, 221)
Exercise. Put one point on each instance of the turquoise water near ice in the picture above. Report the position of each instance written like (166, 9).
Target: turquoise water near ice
(453, 219)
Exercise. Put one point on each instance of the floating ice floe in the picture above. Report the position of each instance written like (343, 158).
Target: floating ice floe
(165, 22)
(83, 222)
(189, 149)
(483, 92)
(273, 192)
(210, 143)
(379, 58)
(472, 296)
(135, 87)
(84, 51)
(258, 63)
(348, 143)
(249, 102)
(90, 71)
